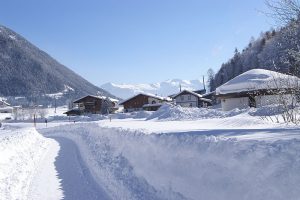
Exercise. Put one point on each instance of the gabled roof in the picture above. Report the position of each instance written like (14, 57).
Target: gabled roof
(97, 97)
(258, 79)
(188, 91)
(209, 93)
(146, 94)
(4, 102)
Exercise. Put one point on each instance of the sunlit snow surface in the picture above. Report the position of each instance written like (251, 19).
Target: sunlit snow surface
(257, 79)
(175, 154)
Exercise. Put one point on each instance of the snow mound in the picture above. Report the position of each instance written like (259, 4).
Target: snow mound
(257, 79)
(169, 112)
(133, 165)
(132, 115)
(20, 153)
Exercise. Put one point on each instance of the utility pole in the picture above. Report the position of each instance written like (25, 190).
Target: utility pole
(55, 104)
(204, 83)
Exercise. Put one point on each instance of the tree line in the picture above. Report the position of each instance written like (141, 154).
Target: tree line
(276, 49)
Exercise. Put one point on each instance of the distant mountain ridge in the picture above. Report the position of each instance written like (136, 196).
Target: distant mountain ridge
(25, 70)
(164, 88)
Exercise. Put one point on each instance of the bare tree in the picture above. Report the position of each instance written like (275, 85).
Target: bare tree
(285, 91)
(284, 11)
(211, 79)
(42, 112)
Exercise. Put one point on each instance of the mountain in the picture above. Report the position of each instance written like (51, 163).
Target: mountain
(25, 70)
(164, 88)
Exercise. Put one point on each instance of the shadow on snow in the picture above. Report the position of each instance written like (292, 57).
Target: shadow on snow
(76, 180)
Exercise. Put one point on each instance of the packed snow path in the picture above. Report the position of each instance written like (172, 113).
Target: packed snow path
(63, 174)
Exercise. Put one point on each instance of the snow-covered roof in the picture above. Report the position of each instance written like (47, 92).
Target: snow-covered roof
(3, 102)
(209, 93)
(258, 79)
(207, 100)
(149, 95)
(188, 91)
(97, 97)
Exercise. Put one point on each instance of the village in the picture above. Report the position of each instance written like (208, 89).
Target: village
(254, 88)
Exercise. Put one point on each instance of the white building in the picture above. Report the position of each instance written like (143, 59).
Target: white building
(5, 107)
(256, 88)
(188, 98)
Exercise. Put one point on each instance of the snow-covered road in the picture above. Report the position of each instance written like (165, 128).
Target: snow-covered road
(63, 173)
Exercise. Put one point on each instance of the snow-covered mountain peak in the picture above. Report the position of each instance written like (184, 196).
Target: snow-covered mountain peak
(164, 88)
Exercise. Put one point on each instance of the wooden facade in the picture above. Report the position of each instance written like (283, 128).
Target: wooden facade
(142, 102)
(89, 105)
(93, 105)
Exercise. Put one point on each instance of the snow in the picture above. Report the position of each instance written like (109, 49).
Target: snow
(13, 37)
(20, 153)
(146, 94)
(50, 189)
(164, 88)
(188, 91)
(99, 97)
(257, 79)
(205, 164)
(173, 153)
(169, 112)
(60, 94)
(4, 116)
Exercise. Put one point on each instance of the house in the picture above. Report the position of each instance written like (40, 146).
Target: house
(93, 105)
(211, 96)
(144, 101)
(256, 88)
(202, 91)
(5, 107)
(187, 98)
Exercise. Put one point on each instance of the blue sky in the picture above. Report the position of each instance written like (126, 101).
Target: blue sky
(137, 41)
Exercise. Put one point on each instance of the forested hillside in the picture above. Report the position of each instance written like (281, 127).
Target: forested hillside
(29, 72)
(276, 50)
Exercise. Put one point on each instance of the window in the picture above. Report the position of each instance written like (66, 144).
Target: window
(181, 97)
(189, 97)
(153, 102)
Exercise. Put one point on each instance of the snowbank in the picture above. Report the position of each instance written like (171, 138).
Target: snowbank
(133, 165)
(20, 153)
(132, 115)
(177, 113)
